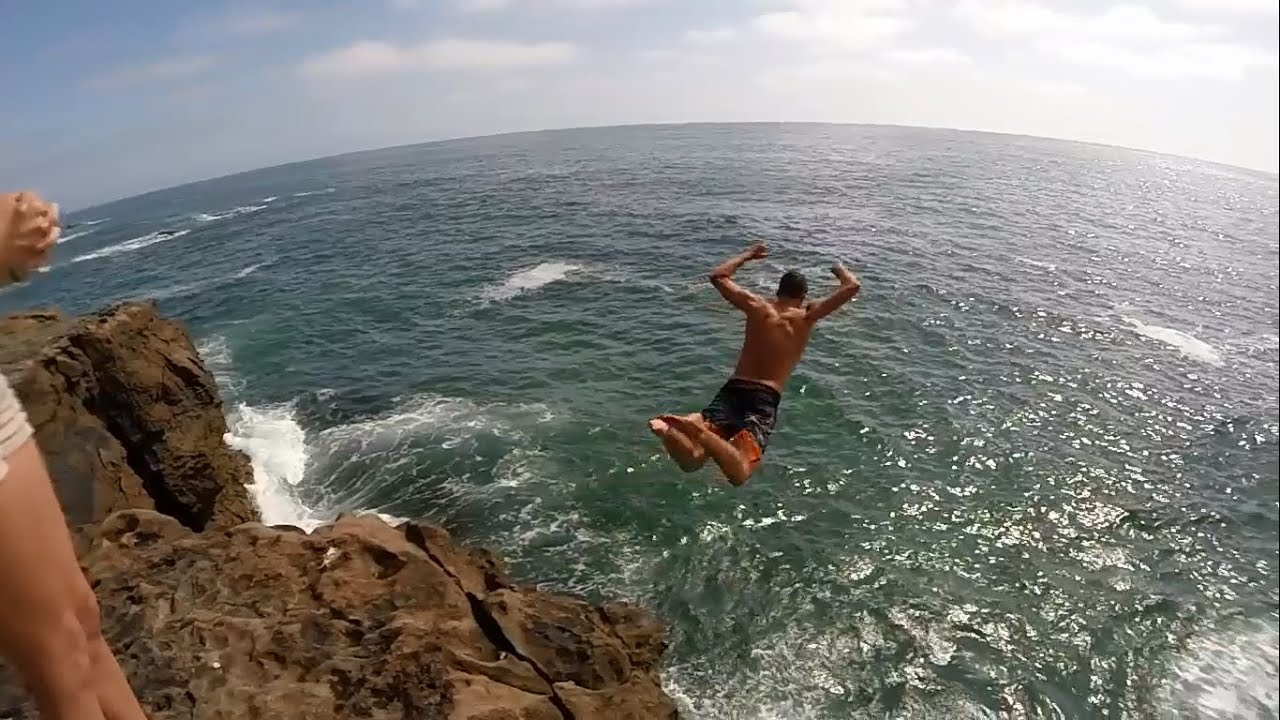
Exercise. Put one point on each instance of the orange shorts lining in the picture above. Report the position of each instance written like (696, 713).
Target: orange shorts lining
(745, 443)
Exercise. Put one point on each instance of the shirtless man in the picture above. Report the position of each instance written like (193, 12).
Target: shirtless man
(734, 429)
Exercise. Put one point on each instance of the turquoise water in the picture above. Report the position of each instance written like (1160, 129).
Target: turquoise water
(1030, 472)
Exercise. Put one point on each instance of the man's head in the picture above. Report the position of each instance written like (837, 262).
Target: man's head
(793, 286)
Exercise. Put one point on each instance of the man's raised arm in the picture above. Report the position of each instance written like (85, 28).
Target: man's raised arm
(846, 291)
(722, 278)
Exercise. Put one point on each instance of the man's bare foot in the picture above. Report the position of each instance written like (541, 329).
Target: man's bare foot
(684, 450)
(734, 466)
(690, 428)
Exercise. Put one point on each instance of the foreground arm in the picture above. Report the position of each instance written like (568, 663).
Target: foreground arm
(50, 627)
(844, 292)
(722, 278)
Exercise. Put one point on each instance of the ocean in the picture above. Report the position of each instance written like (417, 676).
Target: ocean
(1031, 472)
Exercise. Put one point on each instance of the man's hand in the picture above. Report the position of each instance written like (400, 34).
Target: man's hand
(849, 287)
(29, 229)
(758, 251)
(845, 277)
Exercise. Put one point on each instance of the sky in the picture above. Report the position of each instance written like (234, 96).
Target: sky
(102, 100)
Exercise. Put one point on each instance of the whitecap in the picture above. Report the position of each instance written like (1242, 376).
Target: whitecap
(216, 355)
(249, 270)
(530, 279)
(233, 212)
(313, 192)
(1037, 263)
(73, 236)
(1227, 674)
(1189, 345)
(133, 244)
(182, 289)
(270, 199)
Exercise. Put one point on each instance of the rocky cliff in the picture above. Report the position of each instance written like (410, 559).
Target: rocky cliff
(214, 615)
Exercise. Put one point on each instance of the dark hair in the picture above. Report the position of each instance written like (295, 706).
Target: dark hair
(793, 285)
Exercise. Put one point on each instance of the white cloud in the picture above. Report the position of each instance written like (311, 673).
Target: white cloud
(257, 22)
(369, 58)
(928, 56)
(717, 36)
(1260, 7)
(482, 6)
(838, 31)
(1024, 18)
(152, 73)
(1212, 61)
(1128, 38)
(236, 23)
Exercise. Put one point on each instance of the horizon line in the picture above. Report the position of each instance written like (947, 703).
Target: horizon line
(1275, 174)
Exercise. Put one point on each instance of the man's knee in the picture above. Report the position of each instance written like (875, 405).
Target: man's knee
(693, 464)
(739, 473)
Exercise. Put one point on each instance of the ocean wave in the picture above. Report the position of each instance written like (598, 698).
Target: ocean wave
(1228, 674)
(530, 280)
(1188, 344)
(183, 289)
(277, 448)
(216, 355)
(306, 193)
(285, 457)
(130, 245)
(272, 198)
(1265, 343)
(1037, 263)
(233, 212)
(73, 236)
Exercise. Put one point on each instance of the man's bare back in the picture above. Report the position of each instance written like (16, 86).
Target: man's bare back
(775, 339)
(734, 429)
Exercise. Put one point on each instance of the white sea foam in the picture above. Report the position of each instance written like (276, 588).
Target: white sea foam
(1189, 345)
(1227, 675)
(233, 212)
(270, 199)
(130, 245)
(216, 354)
(1037, 263)
(282, 452)
(277, 448)
(313, 192)
(182, 289)
(1258, 343)
(531, 279)
(74, 235)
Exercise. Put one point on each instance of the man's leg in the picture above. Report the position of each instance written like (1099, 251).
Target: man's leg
(688, 454)
(733, 464)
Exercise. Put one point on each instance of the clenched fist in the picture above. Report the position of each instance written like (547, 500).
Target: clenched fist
(29, 229)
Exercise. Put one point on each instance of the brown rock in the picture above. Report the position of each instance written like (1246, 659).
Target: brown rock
(126, 415)
(353, 621)
(215, 616)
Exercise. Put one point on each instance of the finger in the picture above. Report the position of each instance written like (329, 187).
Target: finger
(51, 238)
(38, 226)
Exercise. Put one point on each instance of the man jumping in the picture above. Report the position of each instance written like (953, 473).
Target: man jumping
(734, 429)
